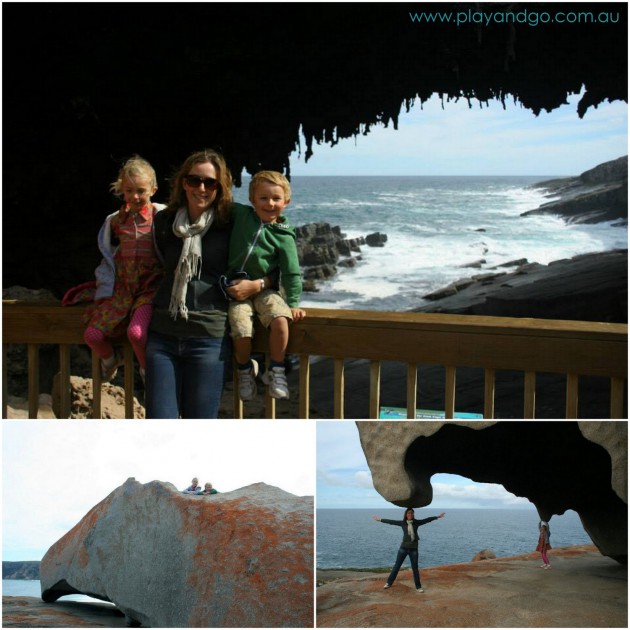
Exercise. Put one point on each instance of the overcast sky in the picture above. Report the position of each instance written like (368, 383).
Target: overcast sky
(455, 139)
(344, 479)
(54, 472)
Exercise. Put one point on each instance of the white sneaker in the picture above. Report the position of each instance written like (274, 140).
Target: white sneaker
(247, 381)
(109, 367)
(387, 586)
(276, 379)
(420, 590)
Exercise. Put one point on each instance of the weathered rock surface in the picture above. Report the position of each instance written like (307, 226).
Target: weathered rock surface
(32, 612)
(112, 399)
(165, 559)
(322, 248)
(583, 590)
(589, 287)
(484, 554)
(599, 194)
(558, 466)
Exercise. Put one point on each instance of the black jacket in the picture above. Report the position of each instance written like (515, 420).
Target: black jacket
(204, 293)
(407, 543)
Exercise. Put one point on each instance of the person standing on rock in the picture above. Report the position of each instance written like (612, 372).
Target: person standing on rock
(543, 543)
(189, 348)
(193, 487)
(408, 546)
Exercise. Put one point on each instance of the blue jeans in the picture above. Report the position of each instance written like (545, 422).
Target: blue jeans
(413, 558)
(185, 377)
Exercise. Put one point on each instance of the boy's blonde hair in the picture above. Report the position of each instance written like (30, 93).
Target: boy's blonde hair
(273, 177)
(133, 167)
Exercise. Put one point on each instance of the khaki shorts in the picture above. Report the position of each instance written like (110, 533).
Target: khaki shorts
(268, 305)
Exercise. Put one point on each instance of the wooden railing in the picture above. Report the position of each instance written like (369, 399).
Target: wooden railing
(530, 346)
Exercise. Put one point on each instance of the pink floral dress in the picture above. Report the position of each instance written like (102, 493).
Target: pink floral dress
(138, 272)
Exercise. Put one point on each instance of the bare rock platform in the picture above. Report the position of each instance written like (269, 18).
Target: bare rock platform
(582, 590)
(32, 612)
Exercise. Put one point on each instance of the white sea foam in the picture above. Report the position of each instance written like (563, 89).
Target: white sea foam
(435, 227)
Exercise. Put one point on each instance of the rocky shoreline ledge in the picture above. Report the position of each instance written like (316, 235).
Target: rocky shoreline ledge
(583, 590)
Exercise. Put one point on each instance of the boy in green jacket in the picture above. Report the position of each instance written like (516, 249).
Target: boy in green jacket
(262, 242)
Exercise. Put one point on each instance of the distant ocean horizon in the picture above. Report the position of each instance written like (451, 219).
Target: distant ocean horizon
(435, 227)
(350, 538)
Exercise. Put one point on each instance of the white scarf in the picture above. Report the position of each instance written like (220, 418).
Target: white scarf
(410, 529)
(189, 264)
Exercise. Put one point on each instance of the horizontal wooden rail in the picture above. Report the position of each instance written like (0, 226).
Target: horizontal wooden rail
(527, 345)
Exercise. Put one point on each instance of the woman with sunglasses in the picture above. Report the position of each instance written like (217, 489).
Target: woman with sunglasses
(189, 348)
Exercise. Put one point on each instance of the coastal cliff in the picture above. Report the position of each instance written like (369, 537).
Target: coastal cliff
(596, 196)
(26, 570)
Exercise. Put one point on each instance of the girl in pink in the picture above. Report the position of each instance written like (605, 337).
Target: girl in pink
(543, 543)
(128, 276)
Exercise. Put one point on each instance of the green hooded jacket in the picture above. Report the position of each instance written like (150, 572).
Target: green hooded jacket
(259, 248)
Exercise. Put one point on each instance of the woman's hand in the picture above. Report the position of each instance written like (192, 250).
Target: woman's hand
(376, 518)
(441, 515)
(242, 289)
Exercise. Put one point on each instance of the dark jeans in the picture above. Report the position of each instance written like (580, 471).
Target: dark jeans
(185, 377)
(413, 558)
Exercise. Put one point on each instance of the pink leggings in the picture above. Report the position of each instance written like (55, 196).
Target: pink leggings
(136, 333)
(543, 553)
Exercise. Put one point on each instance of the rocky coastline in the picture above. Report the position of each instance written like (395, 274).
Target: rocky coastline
(20, 570)
(583, 589)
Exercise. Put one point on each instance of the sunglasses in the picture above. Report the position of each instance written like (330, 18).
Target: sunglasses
(195, 181)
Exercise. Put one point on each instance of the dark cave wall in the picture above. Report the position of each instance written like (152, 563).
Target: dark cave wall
(86, 85)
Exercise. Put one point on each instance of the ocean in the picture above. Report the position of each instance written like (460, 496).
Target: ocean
(32, 588)
(350, 538)
(434, 226)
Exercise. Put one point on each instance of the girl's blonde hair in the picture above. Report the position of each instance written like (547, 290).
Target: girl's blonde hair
(135, 166)
(223, 199)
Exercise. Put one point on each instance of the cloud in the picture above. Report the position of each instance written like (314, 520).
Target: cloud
(54, 473)
(475, 495)
(488, 140)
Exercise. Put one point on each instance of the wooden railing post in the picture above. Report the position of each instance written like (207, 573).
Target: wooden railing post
(449, 405)
(338, 389)
(412, 393)
(572, 396)
(488, 396)
(97, 410)
(64, 380)
(5, 383)
(375, 389)
(129, 378)
(305, 376)
(529, 405)
(617, 390)
(33, 380)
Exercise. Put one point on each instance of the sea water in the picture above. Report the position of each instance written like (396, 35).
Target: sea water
(435, 226)
(33, 588)
(350, 538)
